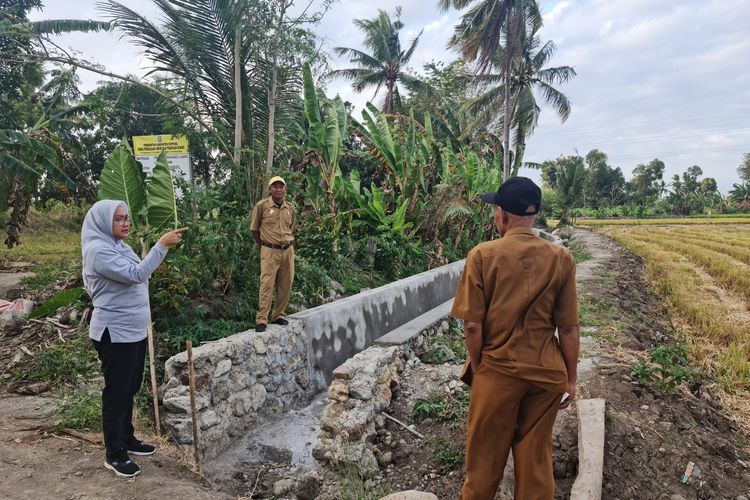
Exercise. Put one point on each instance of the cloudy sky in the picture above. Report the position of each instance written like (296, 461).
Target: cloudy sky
(665, 79)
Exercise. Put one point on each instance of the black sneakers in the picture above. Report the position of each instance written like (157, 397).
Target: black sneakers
(141, 448)
(123, 467)
(260, 327)
(280, 321)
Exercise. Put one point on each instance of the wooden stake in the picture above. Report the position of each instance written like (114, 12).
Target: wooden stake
(191, 377)
(399, 422)
(152, 369)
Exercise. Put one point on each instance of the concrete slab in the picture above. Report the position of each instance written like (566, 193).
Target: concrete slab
(588, 484)
(340, 329)
(407, 331)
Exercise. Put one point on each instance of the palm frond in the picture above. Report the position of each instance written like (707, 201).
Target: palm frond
(60, 26)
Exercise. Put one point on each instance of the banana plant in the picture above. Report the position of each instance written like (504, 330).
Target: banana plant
(404, 147)
(161, 199)
(122, 179)
(465, 177)
(152, 201)
(327, 126)
(373, 207)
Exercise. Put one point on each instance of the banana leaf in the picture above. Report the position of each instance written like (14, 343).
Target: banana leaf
(312, 108)
(122, 179)
(162, 201)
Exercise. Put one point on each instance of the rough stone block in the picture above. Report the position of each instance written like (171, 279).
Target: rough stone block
(338, 391)
(223, 367)
(259, 345)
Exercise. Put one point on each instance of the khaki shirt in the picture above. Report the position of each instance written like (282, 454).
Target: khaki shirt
(275, 224)
(520, 288)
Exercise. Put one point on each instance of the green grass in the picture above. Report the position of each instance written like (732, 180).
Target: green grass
(80, 409)
(441, 406)
(353, 487)
(50, 272)
(597, 311)
(445, 453)
(57, 246)
(578, 249)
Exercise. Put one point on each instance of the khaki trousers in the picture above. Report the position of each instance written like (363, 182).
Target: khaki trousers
(508, 413)
(276, 275)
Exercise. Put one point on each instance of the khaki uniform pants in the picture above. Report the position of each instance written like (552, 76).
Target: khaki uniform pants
(276, 274)
(505, 413)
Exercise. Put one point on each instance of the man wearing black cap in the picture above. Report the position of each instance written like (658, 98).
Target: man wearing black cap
(513, 294)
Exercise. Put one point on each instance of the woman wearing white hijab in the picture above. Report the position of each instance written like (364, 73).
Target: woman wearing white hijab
(117, 282)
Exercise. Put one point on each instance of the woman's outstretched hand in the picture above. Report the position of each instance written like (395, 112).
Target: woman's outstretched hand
(173, 237)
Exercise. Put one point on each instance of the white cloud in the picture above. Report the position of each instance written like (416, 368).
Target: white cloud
(556, 11)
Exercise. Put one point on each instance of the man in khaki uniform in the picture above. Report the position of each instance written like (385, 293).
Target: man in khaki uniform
(513, 294)
(272, 226)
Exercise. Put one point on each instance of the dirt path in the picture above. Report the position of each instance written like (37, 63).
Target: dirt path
(10, 281)
(37, 465)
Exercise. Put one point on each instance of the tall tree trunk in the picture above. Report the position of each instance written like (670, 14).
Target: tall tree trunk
(515, 23)
(238, 104)
(272, 91)
(388, 106)
(506, 119)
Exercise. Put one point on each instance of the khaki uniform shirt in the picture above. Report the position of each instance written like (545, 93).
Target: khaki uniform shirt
(520, 288)
(275, 224)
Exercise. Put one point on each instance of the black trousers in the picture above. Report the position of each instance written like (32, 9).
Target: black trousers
(122, 365)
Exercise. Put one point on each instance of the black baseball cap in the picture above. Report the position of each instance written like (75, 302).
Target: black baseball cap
(516, 195)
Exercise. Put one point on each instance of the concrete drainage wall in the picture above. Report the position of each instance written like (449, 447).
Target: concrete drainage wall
(245, 380)
(341, 329)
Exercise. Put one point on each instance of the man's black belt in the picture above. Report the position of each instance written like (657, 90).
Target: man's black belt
(278, 247)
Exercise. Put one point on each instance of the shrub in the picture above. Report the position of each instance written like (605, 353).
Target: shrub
(62, 363)
(446, 453)
(669, 367)
(80, 409)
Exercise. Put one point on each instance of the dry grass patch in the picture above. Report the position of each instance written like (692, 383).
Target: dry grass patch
(716, 331)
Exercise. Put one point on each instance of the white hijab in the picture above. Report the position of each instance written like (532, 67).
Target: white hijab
(96, 235)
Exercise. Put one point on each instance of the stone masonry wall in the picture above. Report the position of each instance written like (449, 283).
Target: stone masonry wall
(359, 393)
(240, 381)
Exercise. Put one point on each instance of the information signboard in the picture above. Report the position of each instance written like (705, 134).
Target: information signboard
(147, 148)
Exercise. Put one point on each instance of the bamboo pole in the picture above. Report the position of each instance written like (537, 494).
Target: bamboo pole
(151, 362)
(191, 376)
(152, 369)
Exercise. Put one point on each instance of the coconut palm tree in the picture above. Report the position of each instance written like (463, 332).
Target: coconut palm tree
(483, 30)
(214, 52)
(385, 64)
(528, 78)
